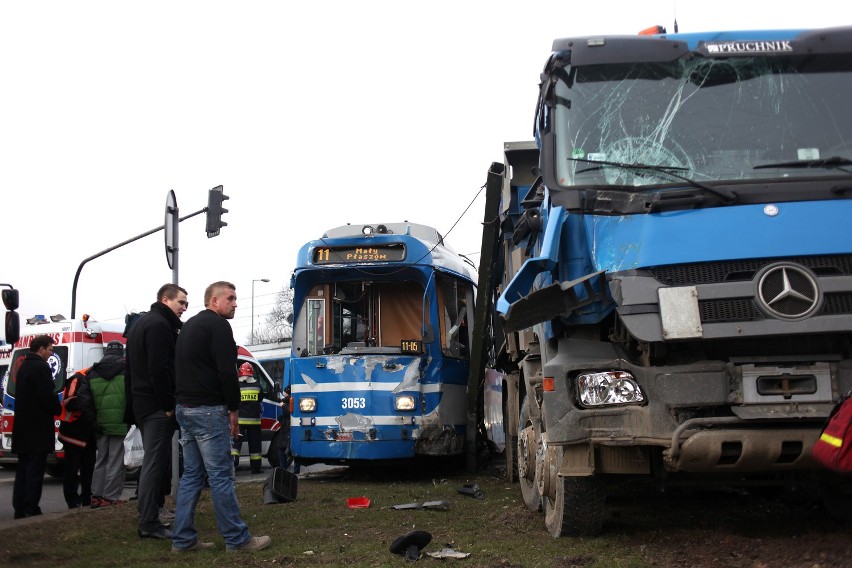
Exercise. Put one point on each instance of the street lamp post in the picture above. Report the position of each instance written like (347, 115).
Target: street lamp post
(252, 305)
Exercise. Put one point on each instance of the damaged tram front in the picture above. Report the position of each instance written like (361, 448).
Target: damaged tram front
(380, 352)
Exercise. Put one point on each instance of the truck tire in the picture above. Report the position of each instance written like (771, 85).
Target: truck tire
(577, 508)
(511, 457)
(510, 434)
(527, 455)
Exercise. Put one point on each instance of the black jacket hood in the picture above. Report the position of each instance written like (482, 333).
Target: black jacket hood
(108, 367)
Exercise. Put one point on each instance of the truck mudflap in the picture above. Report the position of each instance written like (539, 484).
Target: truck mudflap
(743, 450)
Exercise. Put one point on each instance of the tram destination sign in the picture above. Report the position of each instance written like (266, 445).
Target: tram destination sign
(390, 252)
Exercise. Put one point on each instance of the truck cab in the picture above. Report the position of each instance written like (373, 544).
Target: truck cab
(678, 263)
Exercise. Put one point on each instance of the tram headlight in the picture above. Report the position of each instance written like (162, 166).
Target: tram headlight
(404, 402)
(609, 388)
(308, 404)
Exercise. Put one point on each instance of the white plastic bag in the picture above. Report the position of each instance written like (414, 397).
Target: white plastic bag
(133, 450)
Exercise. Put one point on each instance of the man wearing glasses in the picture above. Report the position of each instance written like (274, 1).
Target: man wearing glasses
(150, 388)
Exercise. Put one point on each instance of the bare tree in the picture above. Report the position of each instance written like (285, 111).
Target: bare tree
(277, 327)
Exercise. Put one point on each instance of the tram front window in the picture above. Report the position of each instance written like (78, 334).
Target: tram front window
(359, 316)
(375, 315)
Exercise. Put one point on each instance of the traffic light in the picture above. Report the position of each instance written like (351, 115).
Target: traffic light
(13, 321)
(215, 211)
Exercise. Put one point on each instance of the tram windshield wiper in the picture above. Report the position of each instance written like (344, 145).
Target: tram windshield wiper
(832, 163)
(728, 197)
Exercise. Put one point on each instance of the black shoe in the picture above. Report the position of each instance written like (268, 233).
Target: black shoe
(162, 534)
(25, 515)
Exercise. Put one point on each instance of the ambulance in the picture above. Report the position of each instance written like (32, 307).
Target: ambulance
(79, 343)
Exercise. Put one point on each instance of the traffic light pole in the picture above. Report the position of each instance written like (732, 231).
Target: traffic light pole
(112, 248)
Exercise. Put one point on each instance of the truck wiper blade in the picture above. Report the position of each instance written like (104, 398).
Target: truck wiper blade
(728, 197)
(834, 162)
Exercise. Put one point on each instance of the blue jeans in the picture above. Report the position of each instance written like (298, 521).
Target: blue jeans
(206, 441)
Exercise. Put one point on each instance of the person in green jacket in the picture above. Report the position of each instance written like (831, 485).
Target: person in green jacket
(106, 382)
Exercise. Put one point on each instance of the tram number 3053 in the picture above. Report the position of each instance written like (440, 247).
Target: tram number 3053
(354, 402)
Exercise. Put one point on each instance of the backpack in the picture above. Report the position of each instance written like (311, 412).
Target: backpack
(75, 426)
(70, 389)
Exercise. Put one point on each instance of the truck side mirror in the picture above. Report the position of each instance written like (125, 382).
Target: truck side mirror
(13, 327)
(10, 299)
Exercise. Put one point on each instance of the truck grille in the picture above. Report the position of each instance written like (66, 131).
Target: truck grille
(739, 270)
(744, 309)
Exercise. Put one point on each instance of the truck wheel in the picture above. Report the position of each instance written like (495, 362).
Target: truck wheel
(577, 506)
(527, 456)
(511, 452)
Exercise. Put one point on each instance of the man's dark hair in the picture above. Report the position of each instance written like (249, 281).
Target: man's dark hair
(40, 341)
(170, 291)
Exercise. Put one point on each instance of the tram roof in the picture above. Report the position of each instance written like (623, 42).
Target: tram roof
(422, 232)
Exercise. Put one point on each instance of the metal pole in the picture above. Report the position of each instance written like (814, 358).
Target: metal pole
(110, 249)
(176, 435)
(252, 311)
(252, 305)
(176, 249)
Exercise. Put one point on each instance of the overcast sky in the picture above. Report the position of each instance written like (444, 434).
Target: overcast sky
(311, 114)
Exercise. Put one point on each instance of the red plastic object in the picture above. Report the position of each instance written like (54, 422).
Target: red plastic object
(358, 502)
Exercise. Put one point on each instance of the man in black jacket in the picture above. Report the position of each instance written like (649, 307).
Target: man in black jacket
(208, 398)
(150, 387)
(36, 405)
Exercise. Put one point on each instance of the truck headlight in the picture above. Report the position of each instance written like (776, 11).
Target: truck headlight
(404, 402)
(609, 388)
(308, 404)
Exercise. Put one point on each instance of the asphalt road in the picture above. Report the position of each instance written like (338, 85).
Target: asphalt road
(53, 503)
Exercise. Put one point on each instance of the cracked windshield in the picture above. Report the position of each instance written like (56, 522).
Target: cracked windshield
(708, 120)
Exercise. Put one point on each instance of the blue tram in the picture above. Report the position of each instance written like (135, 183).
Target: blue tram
(381, 345)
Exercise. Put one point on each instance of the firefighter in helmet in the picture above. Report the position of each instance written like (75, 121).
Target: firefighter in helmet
(251, 401)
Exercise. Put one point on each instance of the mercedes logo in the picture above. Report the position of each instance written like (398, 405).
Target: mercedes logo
(788, 291)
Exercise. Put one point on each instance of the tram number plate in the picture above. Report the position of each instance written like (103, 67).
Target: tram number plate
(344, 436)
(353, 402)
(411, 347)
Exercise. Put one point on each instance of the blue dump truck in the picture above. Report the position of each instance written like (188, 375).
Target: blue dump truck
(675, 264)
